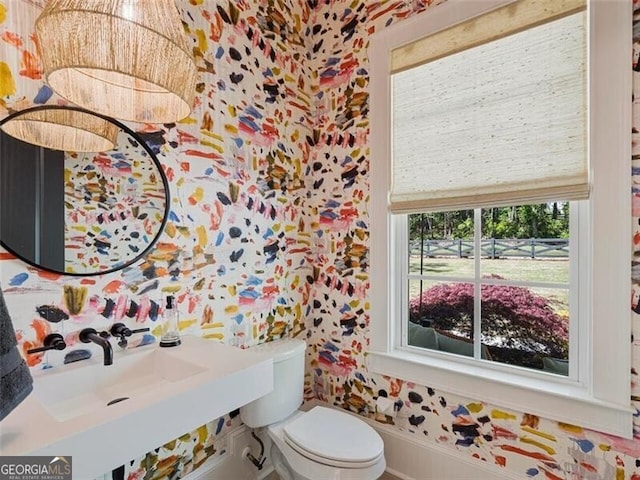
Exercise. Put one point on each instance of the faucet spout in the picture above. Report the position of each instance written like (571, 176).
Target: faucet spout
(90, 335)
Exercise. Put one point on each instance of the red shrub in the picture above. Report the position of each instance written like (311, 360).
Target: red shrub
(512, 317)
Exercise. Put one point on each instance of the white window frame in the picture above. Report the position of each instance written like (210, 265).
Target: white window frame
(599, 397)
(579, 237)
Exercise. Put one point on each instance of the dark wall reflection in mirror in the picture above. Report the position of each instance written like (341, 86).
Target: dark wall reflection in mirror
(81, 213)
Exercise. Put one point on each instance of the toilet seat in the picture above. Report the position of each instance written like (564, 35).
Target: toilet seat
(334, 438)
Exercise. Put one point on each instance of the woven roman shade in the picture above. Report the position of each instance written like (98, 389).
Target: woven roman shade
(492, 111)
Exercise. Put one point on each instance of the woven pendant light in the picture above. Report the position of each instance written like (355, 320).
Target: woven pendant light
(128, 59)
(63, 129)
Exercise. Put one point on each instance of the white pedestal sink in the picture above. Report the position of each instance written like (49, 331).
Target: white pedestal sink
(104, 416)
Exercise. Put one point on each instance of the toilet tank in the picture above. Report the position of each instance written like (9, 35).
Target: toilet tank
(288, 384)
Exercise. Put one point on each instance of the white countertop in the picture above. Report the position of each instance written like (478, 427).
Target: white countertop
(99, 441)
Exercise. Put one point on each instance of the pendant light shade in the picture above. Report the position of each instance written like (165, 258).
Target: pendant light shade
(61, 129)
(128, 59)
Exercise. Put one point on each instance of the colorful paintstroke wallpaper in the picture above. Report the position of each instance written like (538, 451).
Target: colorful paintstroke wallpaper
(236, 250)
(268, 232)
(114, 206)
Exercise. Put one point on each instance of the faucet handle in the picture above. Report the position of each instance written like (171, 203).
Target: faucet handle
(53, 341)
(120, 330)
(140, 330)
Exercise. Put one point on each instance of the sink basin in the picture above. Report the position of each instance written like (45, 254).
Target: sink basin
(79, 389)
(148, 397)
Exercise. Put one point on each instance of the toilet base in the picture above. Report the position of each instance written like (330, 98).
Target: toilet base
(282, 468)
(291, 465)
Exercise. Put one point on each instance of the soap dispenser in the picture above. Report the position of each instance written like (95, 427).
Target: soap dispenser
(171, 335)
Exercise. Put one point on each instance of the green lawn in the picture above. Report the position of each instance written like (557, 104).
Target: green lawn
(520, 269)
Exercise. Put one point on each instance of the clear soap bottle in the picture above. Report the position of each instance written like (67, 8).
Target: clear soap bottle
(171, 334)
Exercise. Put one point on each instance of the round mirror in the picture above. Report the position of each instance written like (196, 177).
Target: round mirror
(79, 213)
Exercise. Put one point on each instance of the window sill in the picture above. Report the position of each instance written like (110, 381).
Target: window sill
(556, 399)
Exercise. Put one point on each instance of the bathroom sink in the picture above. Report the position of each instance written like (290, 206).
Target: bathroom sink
(148, 397)
(81, 389)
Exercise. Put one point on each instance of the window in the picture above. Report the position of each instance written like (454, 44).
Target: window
(451, 136)
(492, 284)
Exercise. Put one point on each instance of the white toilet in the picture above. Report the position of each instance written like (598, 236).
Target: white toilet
(321, 444)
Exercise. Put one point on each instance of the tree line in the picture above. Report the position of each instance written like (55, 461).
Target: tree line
(545, 220)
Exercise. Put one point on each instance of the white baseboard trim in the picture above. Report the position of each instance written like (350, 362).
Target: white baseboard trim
(410, 459)
(206, 470)
(407, 458)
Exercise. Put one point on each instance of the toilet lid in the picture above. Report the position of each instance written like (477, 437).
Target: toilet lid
(334, 438)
